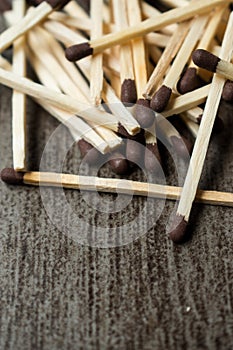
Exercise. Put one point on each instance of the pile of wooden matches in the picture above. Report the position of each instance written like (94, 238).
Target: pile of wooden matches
(173, 59)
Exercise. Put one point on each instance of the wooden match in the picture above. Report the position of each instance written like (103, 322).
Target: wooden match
(128, 87)
(199, 7)
(33, 17)
(19, 99)
(207, 60)
(91, 183)
(161, 98)
(190, 79)
(96, 76)
(178, 229)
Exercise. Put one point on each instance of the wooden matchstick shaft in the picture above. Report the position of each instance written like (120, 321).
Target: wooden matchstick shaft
(128, 88)
(19, 99)
(184, 102)
(91, 183)
(32, 18)
(61, 101)
(185, 51)
(78, 128)
(96, 77)
(149, 11)
(169, 53)
(210, 29)
(121, 113)
(138, 48)
(202, 140)
(176, 15)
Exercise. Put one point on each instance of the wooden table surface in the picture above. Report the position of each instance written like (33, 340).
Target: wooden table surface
(57, 293)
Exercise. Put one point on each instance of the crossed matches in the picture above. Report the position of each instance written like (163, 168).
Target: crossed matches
(140, 62)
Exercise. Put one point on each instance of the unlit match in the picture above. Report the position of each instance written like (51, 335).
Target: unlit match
(207, 60)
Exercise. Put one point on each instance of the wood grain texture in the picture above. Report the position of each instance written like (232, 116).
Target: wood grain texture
(150, 294)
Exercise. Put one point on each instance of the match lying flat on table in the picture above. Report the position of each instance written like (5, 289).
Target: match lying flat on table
(91, 183)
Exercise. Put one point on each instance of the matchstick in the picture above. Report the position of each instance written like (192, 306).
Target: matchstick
(149, 11)
(119, 110)
(107, 185)
(212, 63)
(77, 22)
(191, 80)
(199, 7)
(187, 101)
(59, 100)
(19, 99)
(74, 9)
(177, 232)
(191, 125)
(157, 39)
(128, 87)
(194, 114)
(121, 113)
(167, 56)
(181, 145)
(33, 17)
(142, 111)
(41, 49)
(77, 127)
(5, 64)
(161, 98)
(152, 157)
(96, 76)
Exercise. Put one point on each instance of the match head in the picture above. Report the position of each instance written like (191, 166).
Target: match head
(88, 152)
(134, 152)
(12, 177)
(128, 91)
(160, 99)
(189, 81)
(5, 5)
(56, 4)
(227, 93)
(79, 51)
(205, 59)
(178, 231)
(182, 146)
(139, 137)
(118, 163)
(143, 113)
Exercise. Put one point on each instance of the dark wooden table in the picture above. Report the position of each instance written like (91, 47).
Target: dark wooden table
(57, 293)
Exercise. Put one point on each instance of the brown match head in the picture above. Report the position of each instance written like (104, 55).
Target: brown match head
(79, 51)
(152, 158)
(189, 81)
(5, 5)
(143, 113)
(205, 59)
(118, 163)
(88, 152)
(227, 93)
(178, 231)
(56, 4)
(182, 145)
(139, 137)
(160, 99)
(12, 177)
(128, 91)
(134, 152)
